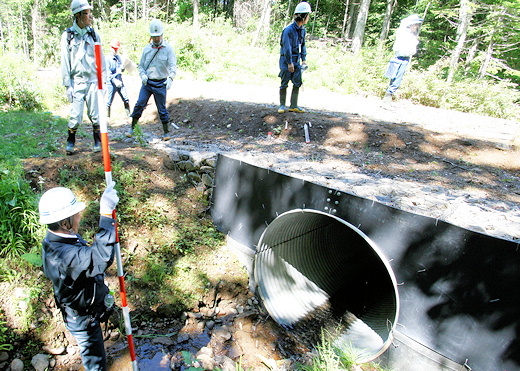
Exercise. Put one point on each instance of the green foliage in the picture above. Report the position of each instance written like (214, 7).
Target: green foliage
(329, 355)
(20, 230)
(17, 87)
(5, 339)
(190, 360)
(484, 97)
(25, 135)
(34, 259)
(190, 51)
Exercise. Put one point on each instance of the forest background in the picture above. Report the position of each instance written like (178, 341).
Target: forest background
(468, 57)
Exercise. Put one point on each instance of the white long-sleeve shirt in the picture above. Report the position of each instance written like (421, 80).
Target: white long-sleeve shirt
(158, 63)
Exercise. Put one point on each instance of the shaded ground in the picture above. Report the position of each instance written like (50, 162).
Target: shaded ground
(478, 165)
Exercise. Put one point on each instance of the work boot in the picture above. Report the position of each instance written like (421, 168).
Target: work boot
(127, 109)
(97, 139)
(130, 132)
(387, 98)
(166, 135)
(71, 140)
(108, 111)
(294, 101)
(283, 96)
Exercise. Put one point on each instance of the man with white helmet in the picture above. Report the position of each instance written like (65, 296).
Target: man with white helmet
(293, 49)
(77, 270)
(405, 46)
(157, 68)
(78, 71)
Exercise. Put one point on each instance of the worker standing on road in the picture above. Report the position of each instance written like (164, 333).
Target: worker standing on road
(405, 46)
(77, 270)
(78, 71)
(115, 80)
(293, 49)
(157, 68)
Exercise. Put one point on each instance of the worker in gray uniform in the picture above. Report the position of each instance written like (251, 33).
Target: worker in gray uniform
(157, 68)
(78, 71)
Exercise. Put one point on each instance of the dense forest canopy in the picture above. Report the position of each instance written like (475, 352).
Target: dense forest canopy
(474, 38)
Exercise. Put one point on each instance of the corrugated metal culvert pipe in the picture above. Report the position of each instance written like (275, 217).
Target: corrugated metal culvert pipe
(316, 272)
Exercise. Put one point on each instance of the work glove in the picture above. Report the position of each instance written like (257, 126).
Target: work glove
(109, 200)
(168, 83)
(144, 78)
(70, 93)
(118, 83)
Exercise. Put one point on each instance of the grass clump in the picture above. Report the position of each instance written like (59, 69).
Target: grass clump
(17, 87)
(331, 356)
(20, 230)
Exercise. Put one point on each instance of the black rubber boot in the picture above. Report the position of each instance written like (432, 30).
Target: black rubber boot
(283, 97)
(71, 140)
(108, 111)
(294, 100)
(130, 132)
(97, 138)
(166, 129)
(127, 109)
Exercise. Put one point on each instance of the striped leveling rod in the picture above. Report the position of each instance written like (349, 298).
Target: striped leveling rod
(108, 179)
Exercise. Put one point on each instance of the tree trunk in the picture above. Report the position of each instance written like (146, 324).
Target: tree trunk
(2, 39)
(471, 53)
(35, 11)
(315, 15)
(196, 14)
(289, 15)
(390, 5)
(135, 10)
(265, 15)
(23, 33)
(345, 17)
(145, 15)
(465, 15)
(359, 31)
(353, 12)
(489, 54)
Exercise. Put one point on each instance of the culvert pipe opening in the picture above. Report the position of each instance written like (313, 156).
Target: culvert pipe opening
(317, 272)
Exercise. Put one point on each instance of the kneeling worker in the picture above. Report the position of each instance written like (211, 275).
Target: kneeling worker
(77, 270)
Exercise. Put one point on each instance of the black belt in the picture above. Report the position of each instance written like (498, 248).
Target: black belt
(154, 80)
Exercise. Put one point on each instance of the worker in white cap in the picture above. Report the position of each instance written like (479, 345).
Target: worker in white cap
(78, 71)
(77, 269)
(115, 82)
(157, 68)
(293, 54)
(405, 46)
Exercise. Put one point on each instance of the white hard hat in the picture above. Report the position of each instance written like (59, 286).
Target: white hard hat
(156, 28)
(57, 204)
(412, 19)
(303, 7)
(78, 5)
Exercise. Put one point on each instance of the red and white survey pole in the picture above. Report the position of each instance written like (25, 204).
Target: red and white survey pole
(108, 179)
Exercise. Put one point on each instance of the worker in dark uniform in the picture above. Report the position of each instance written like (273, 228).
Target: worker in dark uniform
(77, 270)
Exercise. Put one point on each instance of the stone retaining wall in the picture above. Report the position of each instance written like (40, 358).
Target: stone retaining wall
(199, 166)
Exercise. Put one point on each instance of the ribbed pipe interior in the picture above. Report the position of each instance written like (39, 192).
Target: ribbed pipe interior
(314, 269)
